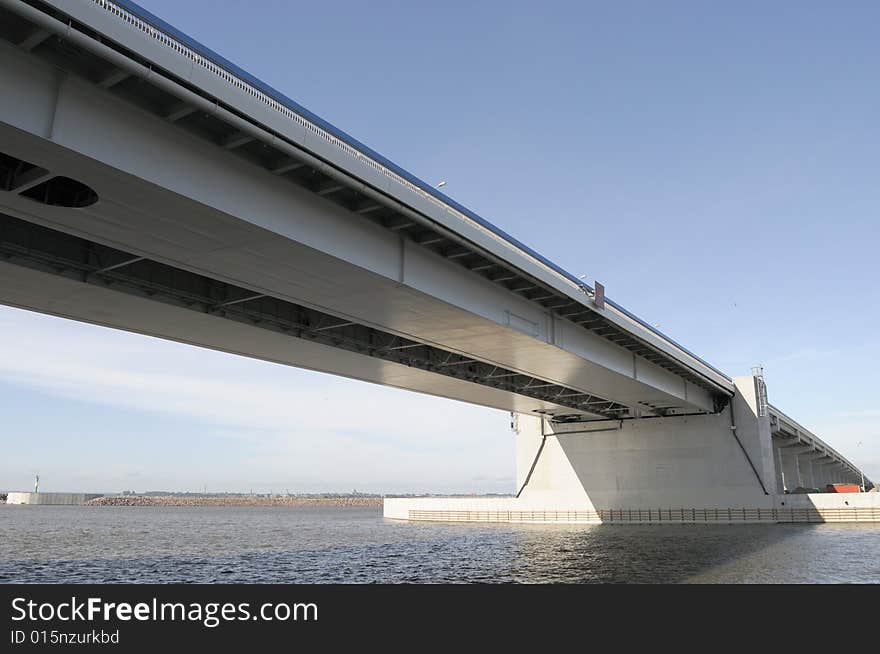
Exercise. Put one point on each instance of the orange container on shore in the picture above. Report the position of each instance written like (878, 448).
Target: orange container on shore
(842, 488)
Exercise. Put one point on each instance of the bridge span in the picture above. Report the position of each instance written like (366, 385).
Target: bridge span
(148, 184)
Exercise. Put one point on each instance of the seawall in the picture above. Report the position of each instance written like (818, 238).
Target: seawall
(71, 499)
(173, 500)
(807, 508)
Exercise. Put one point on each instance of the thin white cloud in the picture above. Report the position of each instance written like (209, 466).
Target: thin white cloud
(93, 364)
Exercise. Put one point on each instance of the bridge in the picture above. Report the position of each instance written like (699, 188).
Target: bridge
(148, 184)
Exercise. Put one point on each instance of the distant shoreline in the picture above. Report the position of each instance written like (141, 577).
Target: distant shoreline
(243, 500)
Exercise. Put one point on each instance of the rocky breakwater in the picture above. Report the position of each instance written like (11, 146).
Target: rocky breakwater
(243, 500)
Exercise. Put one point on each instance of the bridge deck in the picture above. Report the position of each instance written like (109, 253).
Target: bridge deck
(310, 151)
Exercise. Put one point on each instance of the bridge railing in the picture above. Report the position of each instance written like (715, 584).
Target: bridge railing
(811, 439)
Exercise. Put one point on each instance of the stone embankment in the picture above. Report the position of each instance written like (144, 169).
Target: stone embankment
(234, 500)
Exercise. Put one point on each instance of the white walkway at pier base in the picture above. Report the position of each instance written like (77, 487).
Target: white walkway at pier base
(813, 507)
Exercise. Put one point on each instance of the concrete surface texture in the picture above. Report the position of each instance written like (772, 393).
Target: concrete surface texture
(50, 498)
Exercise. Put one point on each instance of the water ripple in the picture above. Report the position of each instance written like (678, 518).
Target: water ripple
(355, 545)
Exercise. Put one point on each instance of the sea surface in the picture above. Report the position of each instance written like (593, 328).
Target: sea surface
(66, 544)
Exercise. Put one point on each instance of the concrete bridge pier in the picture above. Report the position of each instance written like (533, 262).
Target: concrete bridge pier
(790, 468)
(779, 487)
(826, 472)
(818, 473)
(719, 467)
(830, 473)
(842, 475)
(808, 469)
(722, 459)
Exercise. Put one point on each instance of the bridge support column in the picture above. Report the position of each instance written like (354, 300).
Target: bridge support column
(530, 440)
(717, 460)
(818, 474)
(833, 473)
(752, 430)
(780, 475)
(809, 469)
(825, 474)
(791, 472)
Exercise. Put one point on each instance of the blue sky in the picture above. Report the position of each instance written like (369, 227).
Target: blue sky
(715, 166)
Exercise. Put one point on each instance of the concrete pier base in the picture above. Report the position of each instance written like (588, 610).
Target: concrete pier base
(693, 461)
(805, 508)
(718, 468)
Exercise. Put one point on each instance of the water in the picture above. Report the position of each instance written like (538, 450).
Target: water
(356, 545)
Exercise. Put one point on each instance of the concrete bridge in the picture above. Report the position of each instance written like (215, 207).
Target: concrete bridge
(150, 185)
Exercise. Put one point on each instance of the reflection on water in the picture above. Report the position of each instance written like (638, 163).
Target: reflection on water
(356, 545)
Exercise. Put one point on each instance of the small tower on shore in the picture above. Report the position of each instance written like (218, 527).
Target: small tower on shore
(37, 483)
